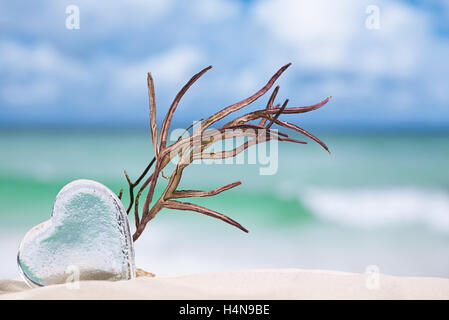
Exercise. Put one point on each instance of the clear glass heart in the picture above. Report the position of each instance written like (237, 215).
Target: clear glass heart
(86, 238)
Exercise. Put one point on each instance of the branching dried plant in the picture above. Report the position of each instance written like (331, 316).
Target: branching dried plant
(194, 147)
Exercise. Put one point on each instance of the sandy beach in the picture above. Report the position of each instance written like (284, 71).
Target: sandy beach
(249, 284)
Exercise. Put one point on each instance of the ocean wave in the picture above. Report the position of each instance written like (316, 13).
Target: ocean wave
(374, 208)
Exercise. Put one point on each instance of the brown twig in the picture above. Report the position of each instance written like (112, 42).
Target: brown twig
(263, 121)
(136, 183)
(170, 204)
(198, 193)
(302, 131)
(174, 105)
(194, 147)
(237, 106)
(276, 116)
(189, 127)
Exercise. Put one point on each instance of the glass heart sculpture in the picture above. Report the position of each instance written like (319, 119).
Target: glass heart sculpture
(87, 237)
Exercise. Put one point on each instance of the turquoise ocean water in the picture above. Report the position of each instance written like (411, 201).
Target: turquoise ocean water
(379, 199)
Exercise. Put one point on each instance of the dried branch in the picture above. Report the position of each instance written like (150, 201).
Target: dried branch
(174, 105)
(263, 121)
(194, 147)
(302, 131)
(189, 127)
(276, 116)
(136, 202)
(170, 204)
(237, 106)
(198, 193)
(153, 125)
(136, 183)
(258, 127)
(267, 113)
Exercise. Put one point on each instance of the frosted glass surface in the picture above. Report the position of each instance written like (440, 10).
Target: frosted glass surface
(87, 237)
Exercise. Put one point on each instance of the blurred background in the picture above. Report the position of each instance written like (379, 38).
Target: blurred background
(73, 104)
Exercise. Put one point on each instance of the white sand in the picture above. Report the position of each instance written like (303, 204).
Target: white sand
(250, 284)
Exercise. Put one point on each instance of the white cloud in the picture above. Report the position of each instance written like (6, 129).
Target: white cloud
(168, 69)
(113, 15)
(35, 74)
(319, 31)
(213, 11)
(331, 35)
(42, 58)
(26, 94)
(106, 61)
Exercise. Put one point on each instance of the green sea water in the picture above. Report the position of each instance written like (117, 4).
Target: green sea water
(389, 192)
(35, 165)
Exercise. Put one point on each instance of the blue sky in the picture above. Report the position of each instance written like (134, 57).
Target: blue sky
(392, 77)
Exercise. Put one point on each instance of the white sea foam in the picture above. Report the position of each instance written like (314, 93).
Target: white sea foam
(371, 208)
